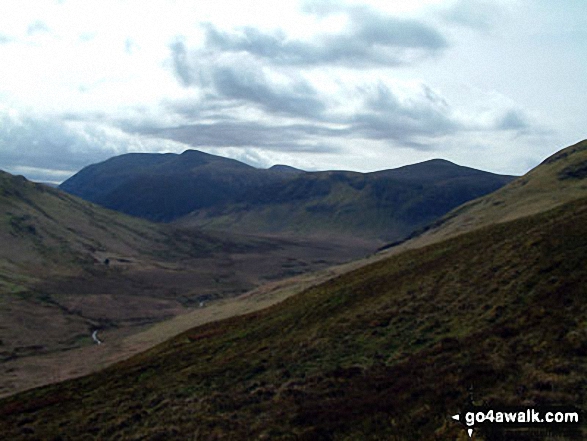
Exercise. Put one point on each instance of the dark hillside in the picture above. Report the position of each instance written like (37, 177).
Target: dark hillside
(162, 187)
(558, 179)
(386, 205)
(387, 351)
(210, 191)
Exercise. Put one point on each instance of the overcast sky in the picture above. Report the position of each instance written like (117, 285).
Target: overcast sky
(358, 85)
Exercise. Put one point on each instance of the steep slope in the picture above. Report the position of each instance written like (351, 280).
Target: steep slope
(46, 231)
(388, 351)
(560, 178)
(69, 267)
(225, 194)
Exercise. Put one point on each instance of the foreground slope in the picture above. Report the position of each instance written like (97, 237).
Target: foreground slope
(218, 193)
(387, 351)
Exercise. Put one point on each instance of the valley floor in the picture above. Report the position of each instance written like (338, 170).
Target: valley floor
(46, 333)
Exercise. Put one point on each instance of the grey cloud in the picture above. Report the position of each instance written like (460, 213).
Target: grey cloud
(87, 36)
(386, 117)
(298, 138)
(130, 46)
(37, 27)
(252, 40)
(376, 29)
(512, 120)
(48, 148)
(383, 117)
(476, 14)
(181, 65)
(322, 8)
(298, 98)
(371, 39)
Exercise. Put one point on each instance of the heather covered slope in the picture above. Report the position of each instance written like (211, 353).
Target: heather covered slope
(387, 351)
(209, 191)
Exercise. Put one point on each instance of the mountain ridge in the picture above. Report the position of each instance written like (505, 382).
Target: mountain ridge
(220, 193)
(558, 179)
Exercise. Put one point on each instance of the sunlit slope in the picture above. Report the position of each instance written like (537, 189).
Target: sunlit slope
(559, 179)
(387, 351)
(46, 231)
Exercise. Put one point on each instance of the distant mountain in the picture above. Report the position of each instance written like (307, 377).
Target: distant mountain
(558, 179)
(390, 350)
(286, 169)
(218, 193)
(163, 187)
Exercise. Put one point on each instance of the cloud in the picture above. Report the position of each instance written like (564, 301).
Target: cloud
(49, 149)
(38, 27)
(181, 66)
(422, 114)
(292, 138)
(411, 115)
(476, 14)
(370, 38)
(295, 97)
(34, 143)
(512, 120)
(130, 46)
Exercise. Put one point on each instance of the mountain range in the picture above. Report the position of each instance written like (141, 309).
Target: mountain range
(387, 348)
(203, 190)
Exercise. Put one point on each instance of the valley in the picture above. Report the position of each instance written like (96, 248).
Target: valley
(385, 347)
(68, 268)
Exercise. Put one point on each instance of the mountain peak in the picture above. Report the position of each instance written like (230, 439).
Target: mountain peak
(285, 169)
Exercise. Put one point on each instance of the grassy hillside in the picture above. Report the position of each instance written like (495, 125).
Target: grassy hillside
(559, 179)
(47, 233)
(68, 267)
(387, 351)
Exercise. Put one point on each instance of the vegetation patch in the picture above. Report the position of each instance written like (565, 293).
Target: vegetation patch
(387, 351)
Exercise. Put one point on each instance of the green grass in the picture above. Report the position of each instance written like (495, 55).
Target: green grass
(387, 351)
(559, 179)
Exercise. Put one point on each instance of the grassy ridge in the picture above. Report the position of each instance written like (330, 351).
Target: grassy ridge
(559, 179)
(387, 351)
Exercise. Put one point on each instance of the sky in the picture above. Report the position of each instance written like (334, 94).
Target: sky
(362, 85)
